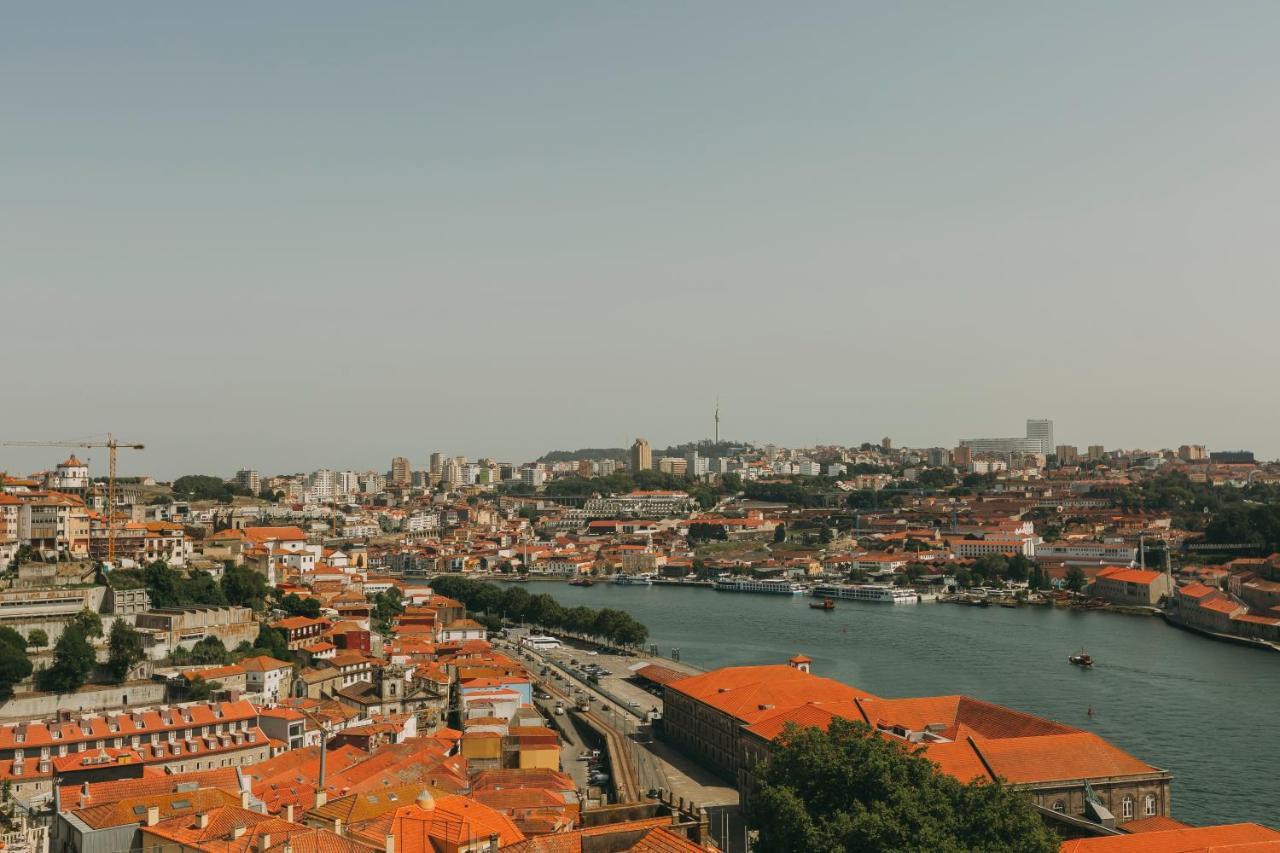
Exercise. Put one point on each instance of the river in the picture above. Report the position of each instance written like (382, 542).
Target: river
(1201, 708)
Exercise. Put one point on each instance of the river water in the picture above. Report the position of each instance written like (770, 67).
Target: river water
(1203, 709)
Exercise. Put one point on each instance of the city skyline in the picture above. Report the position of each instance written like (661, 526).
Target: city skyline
(857, 221)
(425, 462)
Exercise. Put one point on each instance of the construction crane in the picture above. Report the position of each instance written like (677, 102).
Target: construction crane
(112, 446)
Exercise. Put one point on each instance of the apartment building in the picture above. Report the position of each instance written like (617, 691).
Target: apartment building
(178, 739)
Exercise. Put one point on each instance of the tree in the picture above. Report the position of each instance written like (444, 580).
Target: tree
(273, 642)
(1075, 579)
(1018, 569)
(386, 607)
(780, 533)
(826, 534)
(199, 689)
(37, 639)
(14, 663)
(124, 649)
(851, 788)
(297, 606)
(73, 657)
(963, 577)
(243, 586)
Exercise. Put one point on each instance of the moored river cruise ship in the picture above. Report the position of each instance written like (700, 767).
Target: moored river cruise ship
(772, 586)
(881, 592)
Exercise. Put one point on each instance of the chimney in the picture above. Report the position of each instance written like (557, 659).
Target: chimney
(84, 794)
(264, 843)
(322, 797)
(202, 820)
(337, 826)
(493, 843)
(237, 831)
(245, 793)
(390, 846)
(288, 812)
(153, 815)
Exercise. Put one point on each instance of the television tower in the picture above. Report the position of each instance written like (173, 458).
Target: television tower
(717, 419)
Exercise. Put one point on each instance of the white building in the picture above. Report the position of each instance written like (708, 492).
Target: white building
(321, 484)
(71, 477)
(268, 676)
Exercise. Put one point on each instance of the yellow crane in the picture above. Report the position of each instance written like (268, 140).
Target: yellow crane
(112, 446)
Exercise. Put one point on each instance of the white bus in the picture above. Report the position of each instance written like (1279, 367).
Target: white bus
(540, 644)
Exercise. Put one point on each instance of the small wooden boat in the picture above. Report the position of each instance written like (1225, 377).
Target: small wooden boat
(581, 581)
(824, 604)
(1081, 659)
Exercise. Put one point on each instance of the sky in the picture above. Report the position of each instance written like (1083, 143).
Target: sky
(302, 234)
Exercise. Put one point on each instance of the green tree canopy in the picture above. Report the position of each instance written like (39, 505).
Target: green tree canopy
(14, 663)
(203, 487)
(243, 586)
(1075, 579)
(273, 642)
(852, 789)
(37, 639)
(170, 588)
(296, 605)
(73, 655)
(124, 649)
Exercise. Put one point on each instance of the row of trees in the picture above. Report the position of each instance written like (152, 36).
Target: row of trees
(605, 624)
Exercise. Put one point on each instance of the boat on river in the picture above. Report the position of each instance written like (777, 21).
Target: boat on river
(1081, 659)
(824, 604)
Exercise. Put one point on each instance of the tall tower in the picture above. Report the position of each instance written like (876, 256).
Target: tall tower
(641, 455)
(717, 420)
(401, 474)
(1042, 431)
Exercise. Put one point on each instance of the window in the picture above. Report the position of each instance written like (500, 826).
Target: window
(1059, 806)
(1126, 808)
(1149, 805)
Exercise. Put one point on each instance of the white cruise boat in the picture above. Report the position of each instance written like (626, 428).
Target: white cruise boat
(633, 580)
(772, 586)
(884, 593)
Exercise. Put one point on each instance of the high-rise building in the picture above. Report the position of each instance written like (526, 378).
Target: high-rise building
(886, 443)
(673, 465)
(401, 473)
(437, 466)
(533, 476)
(1096, 452)
(696, 465)
(248, 478)
(641, 455)
(348, 482)
(606, 467)
(322, 483)
(1041, 429)
(937, 457)
(1067, 454)
(1004, 446)
(585, 469)
(1192, 453)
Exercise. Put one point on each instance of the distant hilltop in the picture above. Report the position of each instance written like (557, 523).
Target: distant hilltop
(706, 447)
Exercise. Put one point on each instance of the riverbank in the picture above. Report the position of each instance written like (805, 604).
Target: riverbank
(1167, 696)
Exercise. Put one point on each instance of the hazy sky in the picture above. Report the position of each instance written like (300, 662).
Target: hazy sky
(293, 235)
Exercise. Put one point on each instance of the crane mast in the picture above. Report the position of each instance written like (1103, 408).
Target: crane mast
(112, 446)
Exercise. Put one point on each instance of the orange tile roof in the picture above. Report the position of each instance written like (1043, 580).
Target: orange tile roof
(450, 820)
(751, 693)
(1139, 576)
(1227, 838)
(1044, 758)
(71, 797)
